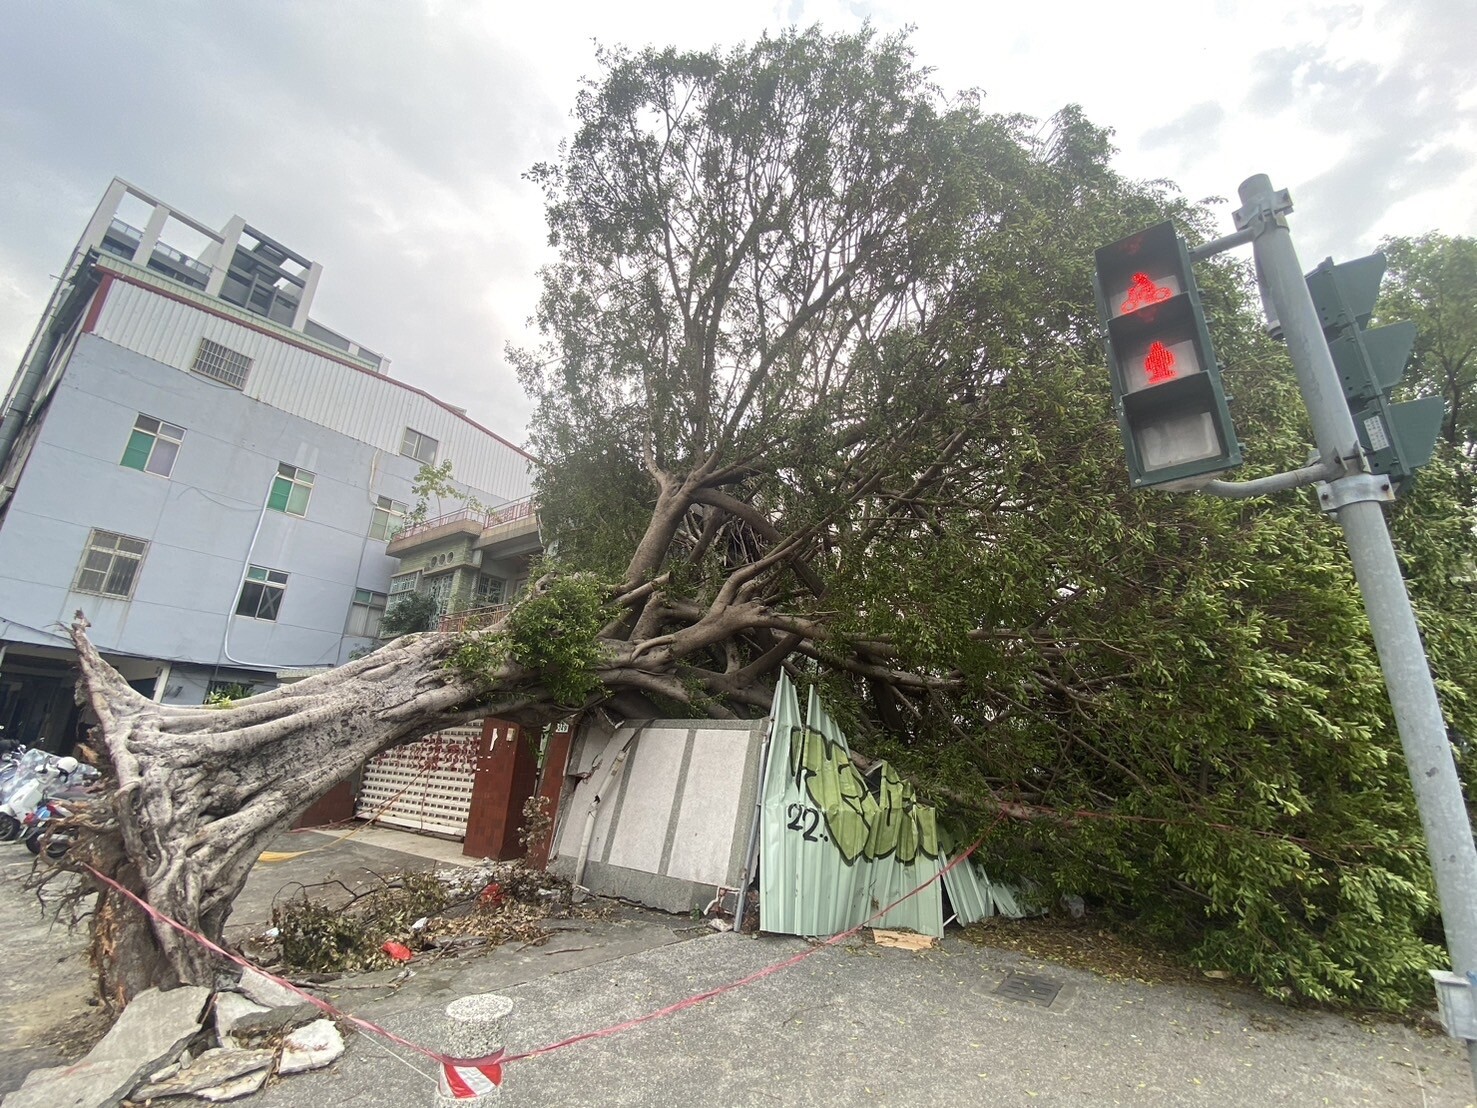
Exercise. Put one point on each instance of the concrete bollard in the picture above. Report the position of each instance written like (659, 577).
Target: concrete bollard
(476, 1027)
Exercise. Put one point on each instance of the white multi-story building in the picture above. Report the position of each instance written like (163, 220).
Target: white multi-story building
(207, 473)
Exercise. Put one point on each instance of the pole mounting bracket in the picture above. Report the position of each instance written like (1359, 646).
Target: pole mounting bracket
(1352, 489)
(1260, 218)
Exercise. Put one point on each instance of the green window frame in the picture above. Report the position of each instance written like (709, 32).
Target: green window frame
(389, 517)
(262, 593)
(291, 489)
(153, 446)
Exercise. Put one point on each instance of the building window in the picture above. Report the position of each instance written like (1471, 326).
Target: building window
(153, 446)
(404, 583)
(420, 447)
(366, 612)
(221, 363)
(490, 590)
(388, 515)
(290, 490)
(439, 590)
(110, 564)
(261, 593)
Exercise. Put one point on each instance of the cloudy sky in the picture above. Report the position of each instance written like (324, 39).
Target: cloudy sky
(386, 138)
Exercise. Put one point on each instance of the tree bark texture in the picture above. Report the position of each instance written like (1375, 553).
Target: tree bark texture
(200, 791)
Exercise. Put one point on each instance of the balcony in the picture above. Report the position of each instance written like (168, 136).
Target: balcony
(511, 529)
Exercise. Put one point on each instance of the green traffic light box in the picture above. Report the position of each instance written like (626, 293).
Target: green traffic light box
(1167, 391)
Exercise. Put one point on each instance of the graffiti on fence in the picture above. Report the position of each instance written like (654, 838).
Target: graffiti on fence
(863, 820)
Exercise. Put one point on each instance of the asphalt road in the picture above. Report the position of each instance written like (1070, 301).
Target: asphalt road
(852, 1024)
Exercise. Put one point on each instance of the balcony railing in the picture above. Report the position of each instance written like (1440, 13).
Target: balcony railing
(508, 513)
(473, 618)
(409, 531)
(483, 517)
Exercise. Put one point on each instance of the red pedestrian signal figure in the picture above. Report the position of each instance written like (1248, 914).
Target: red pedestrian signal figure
(1159, 363)
(1170, 405)
(1143, 292)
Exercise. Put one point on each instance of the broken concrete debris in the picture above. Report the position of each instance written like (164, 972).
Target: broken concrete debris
(253, 1027)
(259, 987)
(150, 1033)
(311, 1047)
(153, 1051)
(231, 1009)
(235, 1088)
(215, 1068)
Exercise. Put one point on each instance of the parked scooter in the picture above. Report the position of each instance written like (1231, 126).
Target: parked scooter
(39, 776)
(16, 778)
(34, 826)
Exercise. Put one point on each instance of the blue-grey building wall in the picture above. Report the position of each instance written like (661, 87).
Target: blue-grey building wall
(204, 524)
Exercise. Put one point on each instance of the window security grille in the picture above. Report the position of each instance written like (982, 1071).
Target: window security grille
(221, 363)
(110, 564)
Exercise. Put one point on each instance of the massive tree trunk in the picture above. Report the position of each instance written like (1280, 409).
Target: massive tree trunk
(202, 790)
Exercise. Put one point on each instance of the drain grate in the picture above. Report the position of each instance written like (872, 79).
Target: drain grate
(1029, 988)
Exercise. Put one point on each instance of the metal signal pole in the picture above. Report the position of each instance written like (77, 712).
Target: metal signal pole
(1355, 496)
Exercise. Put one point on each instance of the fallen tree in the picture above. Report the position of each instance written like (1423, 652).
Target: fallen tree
(822, 390)
(800, 200)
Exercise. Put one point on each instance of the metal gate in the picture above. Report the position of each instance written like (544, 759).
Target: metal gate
(425, 785)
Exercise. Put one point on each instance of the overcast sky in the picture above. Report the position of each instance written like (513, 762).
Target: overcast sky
(387, 140)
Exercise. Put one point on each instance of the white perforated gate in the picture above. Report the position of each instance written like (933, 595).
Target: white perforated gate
(425, 785)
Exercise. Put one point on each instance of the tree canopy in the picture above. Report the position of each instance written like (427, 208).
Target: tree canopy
(821, 389)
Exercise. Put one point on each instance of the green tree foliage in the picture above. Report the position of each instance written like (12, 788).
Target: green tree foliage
(408, 615)
(1432, 281)
(434, 483)
(822, 388)
(555, 632)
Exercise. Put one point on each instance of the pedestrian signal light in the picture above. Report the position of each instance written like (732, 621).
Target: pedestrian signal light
(1167, 390)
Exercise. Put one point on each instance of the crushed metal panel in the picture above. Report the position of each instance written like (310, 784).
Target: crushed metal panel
(1007, 902)
(973, 895)
(834, 851)
(969, 891)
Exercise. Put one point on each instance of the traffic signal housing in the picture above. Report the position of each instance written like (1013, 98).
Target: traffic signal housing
(1397, 438)
(1167, 390)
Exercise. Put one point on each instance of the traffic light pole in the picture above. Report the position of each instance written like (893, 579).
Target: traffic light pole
(1355, 497)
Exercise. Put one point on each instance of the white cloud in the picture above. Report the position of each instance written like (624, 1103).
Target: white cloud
(388, 140)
